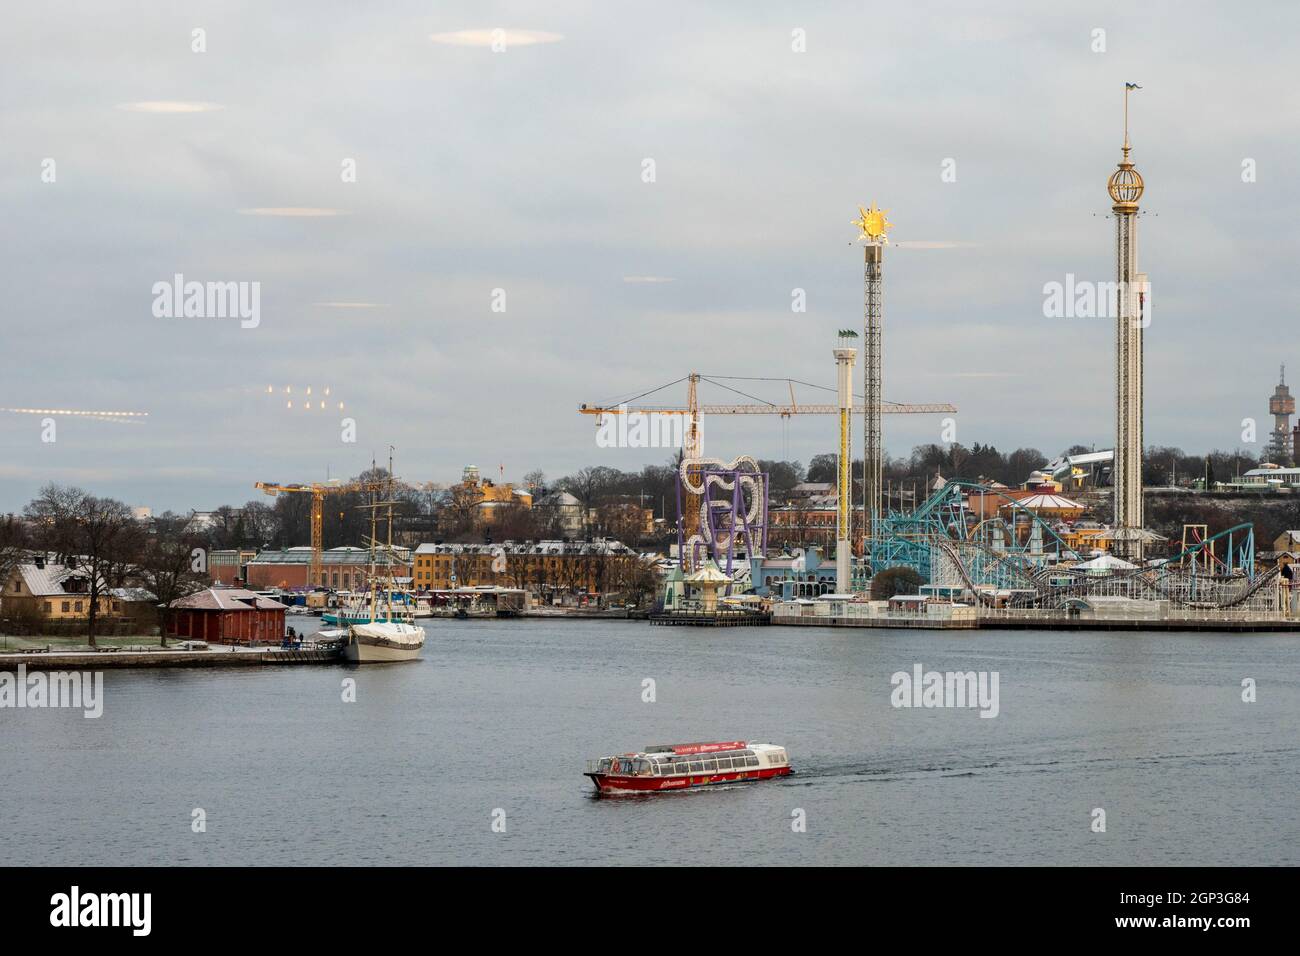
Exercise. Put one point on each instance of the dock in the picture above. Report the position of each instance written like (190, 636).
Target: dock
(928, 616)
(695, 618)
(912, 621)
(945, 616)
(164, 657)
(1029, 619)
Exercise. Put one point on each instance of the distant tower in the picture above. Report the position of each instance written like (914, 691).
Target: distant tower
(1281, 406)
(845, 353)
(872, 225)
(1125, 187)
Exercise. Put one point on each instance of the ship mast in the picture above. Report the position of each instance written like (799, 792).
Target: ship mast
(388, 555)
(374, 593)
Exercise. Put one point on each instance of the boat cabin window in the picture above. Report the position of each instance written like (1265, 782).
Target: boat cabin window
(605, 764)
(697, 767)
(681, 768)
(751, 761)
(724, 764)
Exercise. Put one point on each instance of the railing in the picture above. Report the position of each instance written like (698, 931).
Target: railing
(1128, 613)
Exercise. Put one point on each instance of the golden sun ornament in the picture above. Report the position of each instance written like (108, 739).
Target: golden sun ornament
(873, 224)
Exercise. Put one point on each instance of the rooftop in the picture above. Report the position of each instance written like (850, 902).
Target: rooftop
(227, 599)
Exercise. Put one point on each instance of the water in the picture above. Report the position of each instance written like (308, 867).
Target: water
(501, 715)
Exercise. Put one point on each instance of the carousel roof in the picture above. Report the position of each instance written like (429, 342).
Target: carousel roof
(1048, 502)
(710, 573)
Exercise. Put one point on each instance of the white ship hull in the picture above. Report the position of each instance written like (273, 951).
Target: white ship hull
(382, 642)
(359, 653)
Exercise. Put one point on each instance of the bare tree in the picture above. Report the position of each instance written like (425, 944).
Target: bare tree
(13, 545)
(95, 536)
(166, 567)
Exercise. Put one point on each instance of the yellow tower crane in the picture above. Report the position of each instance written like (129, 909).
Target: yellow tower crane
(318, 491)
(692, 444)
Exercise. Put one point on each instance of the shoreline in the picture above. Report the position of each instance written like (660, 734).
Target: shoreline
(165, 657)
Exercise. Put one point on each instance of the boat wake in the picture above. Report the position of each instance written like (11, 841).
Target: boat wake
(813, 773)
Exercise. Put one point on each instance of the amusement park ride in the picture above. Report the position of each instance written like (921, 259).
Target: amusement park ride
(1016, 559)
(1007, 556)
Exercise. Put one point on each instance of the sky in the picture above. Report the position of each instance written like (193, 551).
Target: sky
(499, 256)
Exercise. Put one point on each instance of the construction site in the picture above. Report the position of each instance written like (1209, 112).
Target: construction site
(976, 554)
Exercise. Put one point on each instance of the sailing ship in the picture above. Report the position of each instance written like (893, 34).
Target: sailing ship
(354, 608)
(384, 636)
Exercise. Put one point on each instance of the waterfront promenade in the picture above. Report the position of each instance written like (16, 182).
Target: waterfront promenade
(60, 659)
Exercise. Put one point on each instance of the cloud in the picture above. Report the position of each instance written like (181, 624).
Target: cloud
(301, 212)
(498, 37)
(936, 244)
(169, 106)
(648, 279)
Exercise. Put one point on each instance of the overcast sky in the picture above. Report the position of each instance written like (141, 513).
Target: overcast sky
(522, 170)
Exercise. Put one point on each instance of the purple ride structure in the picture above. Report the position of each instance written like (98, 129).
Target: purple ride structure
(733, 508)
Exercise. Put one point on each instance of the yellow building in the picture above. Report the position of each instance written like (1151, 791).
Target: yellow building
(488, 497)
(1083, 541)
(52, 592)
(543, 567)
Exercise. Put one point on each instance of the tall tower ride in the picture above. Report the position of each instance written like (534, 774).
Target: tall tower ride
(872, 225)
(1125, 187)
(1281, 406)
(844, 355)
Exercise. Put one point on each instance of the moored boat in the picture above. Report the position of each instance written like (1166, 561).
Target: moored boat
(383, 641)
(382, 635)
(684, 766)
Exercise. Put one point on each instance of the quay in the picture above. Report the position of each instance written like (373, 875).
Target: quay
(907, 611)
(713, 618)
(942, 615)
(1038, 619)
(585, 614)
(951, 624)
(37, 659)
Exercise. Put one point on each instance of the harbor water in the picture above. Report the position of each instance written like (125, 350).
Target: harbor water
(490, 730)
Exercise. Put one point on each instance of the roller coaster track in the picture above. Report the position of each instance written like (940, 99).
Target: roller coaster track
(1142, 582)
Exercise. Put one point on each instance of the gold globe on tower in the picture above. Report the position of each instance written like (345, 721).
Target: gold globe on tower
(1125, 185)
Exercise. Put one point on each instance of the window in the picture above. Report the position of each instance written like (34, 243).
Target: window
(66, 607)
(751, 761)
(47, 607)
(724, 764)
(710, 766)
(681, 768)
(697, 767)
(78, 607)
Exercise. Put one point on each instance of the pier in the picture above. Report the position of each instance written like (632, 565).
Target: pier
(945, 616)
(36, 659)
(715, 618)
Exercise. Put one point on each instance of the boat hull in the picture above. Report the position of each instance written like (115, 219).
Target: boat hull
(615, 784)
(360, 653)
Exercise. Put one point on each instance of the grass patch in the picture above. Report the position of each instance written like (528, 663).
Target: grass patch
(12, 643)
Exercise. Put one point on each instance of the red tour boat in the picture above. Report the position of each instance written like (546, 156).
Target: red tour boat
(682, 766)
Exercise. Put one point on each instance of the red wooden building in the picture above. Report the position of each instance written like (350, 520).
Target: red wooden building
(227, 616)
